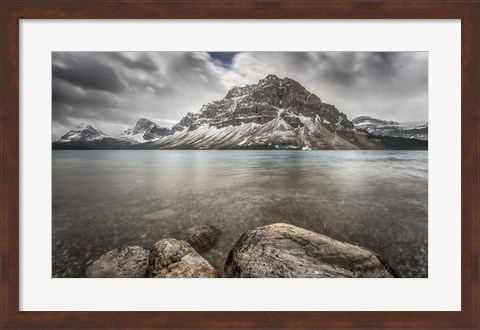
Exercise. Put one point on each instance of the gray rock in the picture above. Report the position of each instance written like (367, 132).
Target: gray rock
(131, 261)
(175, 258)
(201, 237)
(282, 250)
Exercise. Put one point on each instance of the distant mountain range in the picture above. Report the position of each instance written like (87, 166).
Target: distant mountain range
(275, 113)
(87, 137)
(413, 130)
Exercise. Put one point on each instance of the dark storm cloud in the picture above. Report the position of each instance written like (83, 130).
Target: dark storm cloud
(341, 69)
(111, 90)
(349, 68)
(71, 103)
(389, 85)
(85, 71)
(142, 63)
(68, 94)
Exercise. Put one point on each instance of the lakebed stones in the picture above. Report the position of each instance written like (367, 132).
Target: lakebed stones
(172, 258)
(131, 261)
(201, 237)
(282, 250)
(277, 250)
(159, 214)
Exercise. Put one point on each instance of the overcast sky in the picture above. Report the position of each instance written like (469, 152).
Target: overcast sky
(112, 90)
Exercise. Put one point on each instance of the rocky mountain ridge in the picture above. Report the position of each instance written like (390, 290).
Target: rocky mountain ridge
(379, 127)
(275, 113)
(85, 136)
(367, 121)
(145, 130)
(82, 132)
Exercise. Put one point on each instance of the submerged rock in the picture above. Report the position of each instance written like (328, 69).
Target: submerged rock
(282, 250)
(175, 258)
(131, 261)
(201, 237)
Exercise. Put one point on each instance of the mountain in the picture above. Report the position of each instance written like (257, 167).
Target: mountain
(275, 113)
(144, 130)
(87, 137)
(379, 127)
(369, 122)
(82, 133)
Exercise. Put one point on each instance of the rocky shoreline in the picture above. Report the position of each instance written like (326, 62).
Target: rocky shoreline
(274, 251)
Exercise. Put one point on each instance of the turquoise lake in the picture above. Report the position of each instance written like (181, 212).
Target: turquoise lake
(103, 200)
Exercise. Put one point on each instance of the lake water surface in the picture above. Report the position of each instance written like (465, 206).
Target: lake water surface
(103, 200)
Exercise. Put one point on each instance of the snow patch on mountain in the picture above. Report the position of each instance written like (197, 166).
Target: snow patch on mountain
(367, 122)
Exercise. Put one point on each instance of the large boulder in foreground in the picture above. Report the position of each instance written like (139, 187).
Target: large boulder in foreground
(282, 250)
(131, 261)
(175, 258)
(201, 237)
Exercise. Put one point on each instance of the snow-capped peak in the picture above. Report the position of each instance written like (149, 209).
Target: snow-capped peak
(140, 127)
(372, 122)
(145, 130)
(279, 112)
(82, 132)
(382, 127)
(82, 126)
(269, 78)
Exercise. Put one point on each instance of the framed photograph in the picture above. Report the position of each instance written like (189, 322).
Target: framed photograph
(250, 164)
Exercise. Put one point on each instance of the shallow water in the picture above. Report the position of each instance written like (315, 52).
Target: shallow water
(108, 199)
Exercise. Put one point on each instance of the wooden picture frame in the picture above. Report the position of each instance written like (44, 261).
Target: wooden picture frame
(14, 11)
